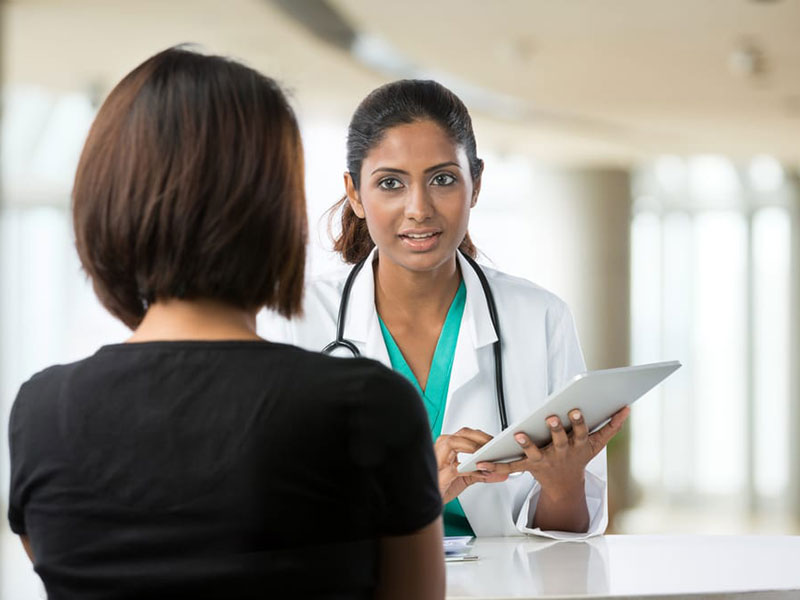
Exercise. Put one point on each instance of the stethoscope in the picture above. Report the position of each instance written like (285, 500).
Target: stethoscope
(341, 342)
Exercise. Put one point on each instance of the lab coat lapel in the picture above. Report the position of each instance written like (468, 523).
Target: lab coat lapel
(375, 346)
(476, 331)
(465, 362)
(361, 325)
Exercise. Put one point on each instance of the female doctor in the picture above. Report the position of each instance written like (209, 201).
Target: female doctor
(415, 302)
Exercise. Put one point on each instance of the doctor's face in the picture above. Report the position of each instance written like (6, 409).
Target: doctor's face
(416, 193)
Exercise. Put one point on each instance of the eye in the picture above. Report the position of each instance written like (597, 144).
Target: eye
(443, 179)
(390, 183)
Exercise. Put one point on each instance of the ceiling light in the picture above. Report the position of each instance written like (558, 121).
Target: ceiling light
(747, 61)
(517, 52)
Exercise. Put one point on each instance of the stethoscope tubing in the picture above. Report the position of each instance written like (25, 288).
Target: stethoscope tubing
(342, 342)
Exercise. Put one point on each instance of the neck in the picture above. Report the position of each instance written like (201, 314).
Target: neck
(411, 294)
(201, 319)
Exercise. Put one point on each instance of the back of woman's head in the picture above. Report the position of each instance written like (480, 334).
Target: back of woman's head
(399, 103)
(190, 186)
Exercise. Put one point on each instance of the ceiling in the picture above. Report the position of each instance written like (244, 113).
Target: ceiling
(587, 82)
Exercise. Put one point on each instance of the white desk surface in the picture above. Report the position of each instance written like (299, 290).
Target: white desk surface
(631, 566)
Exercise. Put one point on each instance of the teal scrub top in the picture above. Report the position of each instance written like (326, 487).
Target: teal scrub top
(434, 396)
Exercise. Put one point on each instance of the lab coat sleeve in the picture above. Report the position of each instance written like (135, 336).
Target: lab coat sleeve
(565, 360)
(596, 501)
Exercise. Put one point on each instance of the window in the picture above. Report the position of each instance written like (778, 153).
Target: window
(710, 249)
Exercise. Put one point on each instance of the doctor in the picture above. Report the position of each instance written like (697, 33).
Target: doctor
(417, 304)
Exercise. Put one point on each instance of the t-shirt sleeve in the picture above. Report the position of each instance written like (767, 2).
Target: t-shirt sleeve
(394, 438)
(19, 476)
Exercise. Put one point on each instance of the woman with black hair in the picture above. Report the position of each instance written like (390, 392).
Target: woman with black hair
(197, 460)
(417, 303)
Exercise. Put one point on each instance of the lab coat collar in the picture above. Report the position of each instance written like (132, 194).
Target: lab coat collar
(476, 309)
(361, 306)
(361, 322)
(476, 331)
(362, 326)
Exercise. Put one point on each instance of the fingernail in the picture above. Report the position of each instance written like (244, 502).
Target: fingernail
(576, 415)
(484, 466)
(552, 421)
(521, 440)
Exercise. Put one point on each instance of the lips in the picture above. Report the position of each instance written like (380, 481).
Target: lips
(419, 236)
(420, 241)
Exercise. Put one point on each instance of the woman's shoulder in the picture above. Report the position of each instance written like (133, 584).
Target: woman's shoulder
(37, 395)
(355, 384)
(54, 375)
(353, 374)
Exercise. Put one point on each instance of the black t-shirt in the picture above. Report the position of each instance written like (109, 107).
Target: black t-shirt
(217, 470)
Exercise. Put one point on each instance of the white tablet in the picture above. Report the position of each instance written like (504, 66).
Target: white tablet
(598, 395)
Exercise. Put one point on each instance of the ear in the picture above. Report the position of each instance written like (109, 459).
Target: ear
(476, 188)
(352, 195)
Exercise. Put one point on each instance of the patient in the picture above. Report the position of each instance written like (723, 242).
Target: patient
(196, 459)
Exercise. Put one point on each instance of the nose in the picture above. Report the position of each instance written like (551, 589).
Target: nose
(419, 205)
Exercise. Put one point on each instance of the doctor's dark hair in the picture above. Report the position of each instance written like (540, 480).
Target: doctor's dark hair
(190, 185)
(398, 103)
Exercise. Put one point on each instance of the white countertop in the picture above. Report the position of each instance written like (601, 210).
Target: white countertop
(629, 566)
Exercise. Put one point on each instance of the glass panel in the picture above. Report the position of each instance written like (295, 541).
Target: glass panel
(718, 422)
(765, 174)
(679, 407)
(713, 181)
(771, 249)
(646, 442)
(670, 173)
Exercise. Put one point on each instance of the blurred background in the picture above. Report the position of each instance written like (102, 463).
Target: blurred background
(642, 161)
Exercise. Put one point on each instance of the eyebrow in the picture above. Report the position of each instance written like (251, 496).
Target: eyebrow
(428, 170)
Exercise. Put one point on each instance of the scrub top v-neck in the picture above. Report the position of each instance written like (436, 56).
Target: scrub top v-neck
(434, 396)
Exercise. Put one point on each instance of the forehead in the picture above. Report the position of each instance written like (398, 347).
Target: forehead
(422, 143)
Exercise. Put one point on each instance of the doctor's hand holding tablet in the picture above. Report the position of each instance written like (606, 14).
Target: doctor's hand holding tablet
(559, 466)
(481, 347)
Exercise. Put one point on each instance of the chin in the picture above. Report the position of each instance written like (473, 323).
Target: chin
(421, 262)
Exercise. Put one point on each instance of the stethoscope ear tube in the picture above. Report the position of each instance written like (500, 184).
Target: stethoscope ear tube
(341, 342)
(496, 347)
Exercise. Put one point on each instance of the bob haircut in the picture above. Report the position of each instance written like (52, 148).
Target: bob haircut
(190, 185)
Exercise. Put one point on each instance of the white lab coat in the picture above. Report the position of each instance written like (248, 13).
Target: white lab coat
(541, 353)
